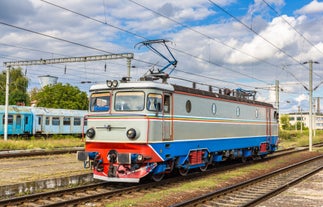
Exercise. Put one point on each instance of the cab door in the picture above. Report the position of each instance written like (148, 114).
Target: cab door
(167, 118)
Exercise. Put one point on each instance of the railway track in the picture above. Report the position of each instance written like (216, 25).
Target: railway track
(28, 153)
(253, 191)
(98, 191)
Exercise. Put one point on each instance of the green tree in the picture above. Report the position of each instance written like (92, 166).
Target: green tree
(18, 85)
(284, 122)
(62, 96)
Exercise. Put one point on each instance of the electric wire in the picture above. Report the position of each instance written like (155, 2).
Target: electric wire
(300, 34)
(256, 33)
(181, 51)
(71, 42)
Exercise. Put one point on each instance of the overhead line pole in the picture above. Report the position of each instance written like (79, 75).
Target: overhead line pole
(310, 131)
(8, 65)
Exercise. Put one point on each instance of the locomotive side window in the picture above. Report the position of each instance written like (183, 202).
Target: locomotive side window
(257, 113)
(238, 111)
(213, 108)
(166, 103)
(100, 102)
(154, 102)
(129, 101)
(188, 106)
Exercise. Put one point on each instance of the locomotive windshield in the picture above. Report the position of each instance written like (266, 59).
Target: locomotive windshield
(100, 102)
(129, 101)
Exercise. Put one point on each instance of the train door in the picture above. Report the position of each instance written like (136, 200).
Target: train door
(19, 128)
(167, 118)
(38, 124)
(28, 124)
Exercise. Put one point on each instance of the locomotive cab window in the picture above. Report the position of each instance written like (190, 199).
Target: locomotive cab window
(154, 102)
(129, 101)
(100, 102)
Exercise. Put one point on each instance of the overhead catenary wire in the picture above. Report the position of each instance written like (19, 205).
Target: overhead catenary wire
(181, 51)
(299, 33)
(191, 55)
(256, 33)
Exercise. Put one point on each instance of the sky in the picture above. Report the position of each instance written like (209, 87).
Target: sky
(224, 43)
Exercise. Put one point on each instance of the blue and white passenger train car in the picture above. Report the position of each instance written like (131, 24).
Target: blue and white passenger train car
(24, 120)
(149, 127)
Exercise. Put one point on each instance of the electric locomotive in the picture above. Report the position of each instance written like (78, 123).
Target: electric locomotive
(150, 127)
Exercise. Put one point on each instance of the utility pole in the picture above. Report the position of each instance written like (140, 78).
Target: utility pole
(5, 132)
(8, 65)
(277, 94)
(310, 133)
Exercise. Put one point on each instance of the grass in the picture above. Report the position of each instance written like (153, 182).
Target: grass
(293, 138)
(41, 143)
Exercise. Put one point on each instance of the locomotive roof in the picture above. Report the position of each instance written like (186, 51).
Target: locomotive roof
(135, 84)
(170, 87)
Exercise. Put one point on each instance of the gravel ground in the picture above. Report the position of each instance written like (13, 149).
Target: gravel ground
(308, 193)
(25, 169)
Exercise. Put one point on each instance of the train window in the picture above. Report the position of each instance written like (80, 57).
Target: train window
(166, 103)
(257, 113)
(188, 106)
(154, 101)
(26, 120)
(67, 121)
(129, 101)
(55, 121)
(77, 121)
(100, 102)
(18, 119)
(238, 111)
(213, 109)
(39, 120)
(10, 119)
(47, 121)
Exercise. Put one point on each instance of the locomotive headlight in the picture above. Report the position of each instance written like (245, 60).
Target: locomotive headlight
(90, 133)
(109, 83)
(140, 157)
(133, 133)
(114, 83)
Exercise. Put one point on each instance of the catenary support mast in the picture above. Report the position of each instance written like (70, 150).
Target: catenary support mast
(8, 65)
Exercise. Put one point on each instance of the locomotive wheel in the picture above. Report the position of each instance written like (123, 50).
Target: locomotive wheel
(243, 159)
(183, 171)
(157, 177)
(204, 168)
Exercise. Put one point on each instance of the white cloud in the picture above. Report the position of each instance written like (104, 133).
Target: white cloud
(313, 7)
